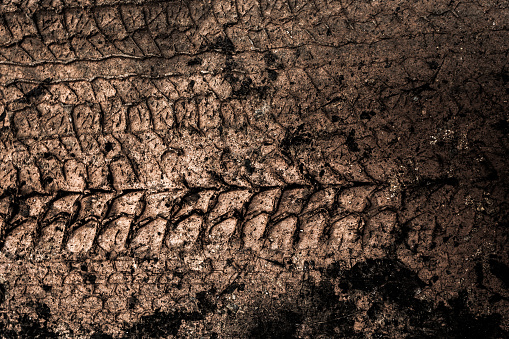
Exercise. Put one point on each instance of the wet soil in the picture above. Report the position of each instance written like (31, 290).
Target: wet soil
(254, 169)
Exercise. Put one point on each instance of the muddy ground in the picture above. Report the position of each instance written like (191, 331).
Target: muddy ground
(254, 169)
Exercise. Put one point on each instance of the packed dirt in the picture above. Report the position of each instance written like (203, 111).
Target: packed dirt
(254, 169)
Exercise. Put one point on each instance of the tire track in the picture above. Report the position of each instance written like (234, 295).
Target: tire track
(138, 222)
(184, 160)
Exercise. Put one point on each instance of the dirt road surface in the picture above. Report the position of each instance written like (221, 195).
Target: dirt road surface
(254, 169)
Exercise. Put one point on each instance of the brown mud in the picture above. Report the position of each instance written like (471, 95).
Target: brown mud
(254, 169)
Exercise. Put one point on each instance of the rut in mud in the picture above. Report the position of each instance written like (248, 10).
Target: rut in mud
(254, 169)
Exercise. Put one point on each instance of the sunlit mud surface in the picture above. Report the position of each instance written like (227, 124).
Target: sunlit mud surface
(254, 169)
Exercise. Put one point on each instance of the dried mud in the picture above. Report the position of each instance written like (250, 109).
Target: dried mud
(254, 169)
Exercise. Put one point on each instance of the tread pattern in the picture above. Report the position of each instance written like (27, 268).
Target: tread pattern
(144, 223)
(155, 152)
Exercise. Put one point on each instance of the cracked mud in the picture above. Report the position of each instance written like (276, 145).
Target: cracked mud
(254, 169)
